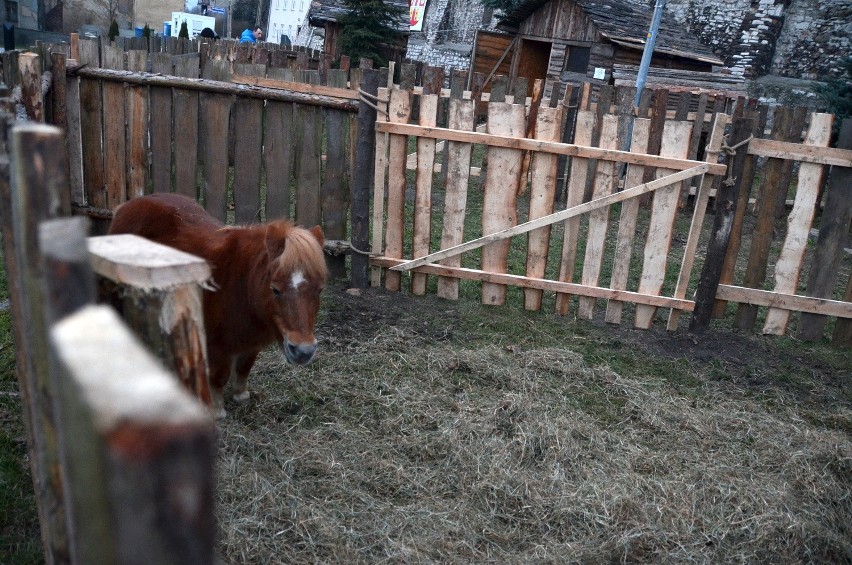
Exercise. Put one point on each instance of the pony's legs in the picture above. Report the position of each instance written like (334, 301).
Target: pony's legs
(241, 369)
(220, 372)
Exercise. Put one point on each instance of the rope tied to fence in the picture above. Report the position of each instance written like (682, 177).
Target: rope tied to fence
(731, 150)
(366, 97)
(360, 252)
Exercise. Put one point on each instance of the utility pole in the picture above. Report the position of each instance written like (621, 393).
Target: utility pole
(642, 76)
(644, 65)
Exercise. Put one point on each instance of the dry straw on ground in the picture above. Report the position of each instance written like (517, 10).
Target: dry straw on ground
(398, 448)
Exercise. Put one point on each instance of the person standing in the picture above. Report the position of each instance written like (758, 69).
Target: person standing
(251, 35)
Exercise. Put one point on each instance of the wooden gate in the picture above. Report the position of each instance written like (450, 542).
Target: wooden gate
(588, 247)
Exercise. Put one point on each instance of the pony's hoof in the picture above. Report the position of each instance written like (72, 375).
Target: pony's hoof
(242, 397)
(220, 414)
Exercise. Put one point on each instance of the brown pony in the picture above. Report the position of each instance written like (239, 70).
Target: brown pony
(266, 286)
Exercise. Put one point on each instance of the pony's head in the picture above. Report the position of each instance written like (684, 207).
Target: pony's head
(297, 274)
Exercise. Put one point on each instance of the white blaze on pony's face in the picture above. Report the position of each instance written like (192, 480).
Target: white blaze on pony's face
(297, 277)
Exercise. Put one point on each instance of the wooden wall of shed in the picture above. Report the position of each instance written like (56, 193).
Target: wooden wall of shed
(601, 55)
(562, 19)
(487, 51)
(625, 56)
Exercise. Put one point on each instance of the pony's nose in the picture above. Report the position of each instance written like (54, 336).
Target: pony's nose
(300, 354)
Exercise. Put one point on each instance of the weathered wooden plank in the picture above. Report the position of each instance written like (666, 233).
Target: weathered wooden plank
(335, 186)
(711, 155)
(627, 222)
(278, 158)
(248, 151)
(423, 190)
(379, 186)
(499, 210)
(744, 197)
(573, 150)
(675, 143)
(659, 102)
(833, 229)
(574, 196)
(29, 196)
(115, 137)
(137, 129)
(726, 202)
(798, 152)
(604, 185)
(789, 264)
(216, 83)
(399, 111)
(758, 258)
(363, 157)
(308, 155)
(123, 450)
(809, 304)
(541, 284)
(215, 114)
(91, 123)
(186, 130)
(74, 140)
(542, 192)
(461, 116)
(161, 139)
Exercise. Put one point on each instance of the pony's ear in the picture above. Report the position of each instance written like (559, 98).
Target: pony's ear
(317, 231)
(276, 237)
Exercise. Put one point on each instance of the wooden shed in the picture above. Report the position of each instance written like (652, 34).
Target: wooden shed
(325, 13)
(582, 40)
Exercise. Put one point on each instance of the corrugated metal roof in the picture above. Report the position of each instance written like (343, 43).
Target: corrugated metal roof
(328, 11)
(626, 23)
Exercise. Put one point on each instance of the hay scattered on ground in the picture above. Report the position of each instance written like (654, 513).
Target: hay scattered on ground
(401, 449)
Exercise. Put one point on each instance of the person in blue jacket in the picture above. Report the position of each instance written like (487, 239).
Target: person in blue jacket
(251, 35)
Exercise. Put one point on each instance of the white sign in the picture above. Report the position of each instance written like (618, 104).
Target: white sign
(600, 73)
(416, 12)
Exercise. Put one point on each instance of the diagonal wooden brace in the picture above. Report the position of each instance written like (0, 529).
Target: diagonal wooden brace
(555, 217)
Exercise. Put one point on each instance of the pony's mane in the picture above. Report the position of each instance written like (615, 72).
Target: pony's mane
(303, 252)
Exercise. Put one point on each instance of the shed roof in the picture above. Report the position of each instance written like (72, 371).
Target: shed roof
(322, 12)
(626, 23)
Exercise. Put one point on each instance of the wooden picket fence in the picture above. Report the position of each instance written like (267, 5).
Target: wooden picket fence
(581, 133)
(676, 145)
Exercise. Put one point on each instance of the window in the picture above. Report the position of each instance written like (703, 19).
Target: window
(577, 59)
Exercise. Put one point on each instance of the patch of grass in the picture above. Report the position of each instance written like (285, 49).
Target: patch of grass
(20, 541)
(450, 432)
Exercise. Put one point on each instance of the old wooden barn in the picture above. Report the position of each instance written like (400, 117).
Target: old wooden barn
(574, 41)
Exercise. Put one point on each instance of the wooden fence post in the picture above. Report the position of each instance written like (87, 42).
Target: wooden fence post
(157, 290)
(29, 67)
(833, 229)
(140, 466)
(726, 202)
(364, 161)
(33, 195)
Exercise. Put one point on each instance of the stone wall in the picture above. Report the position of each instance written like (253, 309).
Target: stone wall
(793, 38)
(815, 39)
(742, 33)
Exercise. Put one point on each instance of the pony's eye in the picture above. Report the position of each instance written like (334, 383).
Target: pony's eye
(275, 291)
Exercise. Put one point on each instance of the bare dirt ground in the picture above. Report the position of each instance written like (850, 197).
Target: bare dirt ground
(434, 431)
